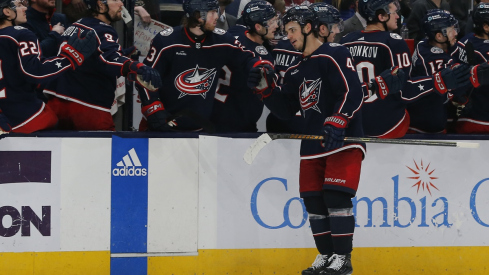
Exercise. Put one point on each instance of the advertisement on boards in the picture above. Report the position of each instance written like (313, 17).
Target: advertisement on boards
(408, 196)
(29, 194)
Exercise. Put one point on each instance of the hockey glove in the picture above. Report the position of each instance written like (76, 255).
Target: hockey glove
(479, 75)
(451, 78)
(4, 124)
(388, 82)
(262, 79)
(334, 131)
(145, 76)
(156, 116)
(78, 48)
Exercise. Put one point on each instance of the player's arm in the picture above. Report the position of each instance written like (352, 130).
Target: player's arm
(152, 107)
(40, 70)
(346, 85)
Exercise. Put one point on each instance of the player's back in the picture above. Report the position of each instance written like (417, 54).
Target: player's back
(373, 52)
(18, 99)
(237, 108)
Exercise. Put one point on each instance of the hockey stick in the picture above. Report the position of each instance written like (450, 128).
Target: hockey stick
(266, 138)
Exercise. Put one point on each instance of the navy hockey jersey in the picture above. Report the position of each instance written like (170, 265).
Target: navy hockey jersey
(476, 109)
(321, 85)
(284, 55)
(237, 108)
(376, 51)
(429, 114)
(189, 70)
(94, 83)
(21, 68)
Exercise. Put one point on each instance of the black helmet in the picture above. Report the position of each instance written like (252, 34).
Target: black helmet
(300, 14)
(203, 6)
(11, 4)
(481, 15)
(258, 12)
(327, 15)
(437, 20)
(369, 8)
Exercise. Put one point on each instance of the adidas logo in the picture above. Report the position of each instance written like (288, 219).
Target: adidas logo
(361, 38)
(130, 165)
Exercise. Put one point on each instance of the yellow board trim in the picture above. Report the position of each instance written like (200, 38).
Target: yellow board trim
(378, 261)
(53, 263)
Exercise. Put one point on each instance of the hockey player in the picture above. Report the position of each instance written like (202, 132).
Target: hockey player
(376, 49)
(284, 55)
(189, 58)
(236, 108)
(82, 99)
(474, 117)
(429, 114)
(325, 87)
(22, 67)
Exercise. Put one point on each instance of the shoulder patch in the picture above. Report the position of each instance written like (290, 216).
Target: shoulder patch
(219, 31)
(105, 24)
(436, 50)
(396, 36)
(334, 44)
(486, 41)
(285, 38)
(261, 50)
(167, 31)
(19, 28)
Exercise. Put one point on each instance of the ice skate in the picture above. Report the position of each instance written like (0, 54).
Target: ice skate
(321, 262)
(339, 265)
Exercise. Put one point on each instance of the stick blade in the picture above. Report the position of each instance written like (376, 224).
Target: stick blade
(468, 144)
(256, 147)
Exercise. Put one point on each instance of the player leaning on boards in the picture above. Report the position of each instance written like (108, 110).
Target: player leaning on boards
(22, 67)
(376, 49)
(325, 88)
(432, 54)
(82, 99)
(474, 118)
(236, 109)
(189, 58)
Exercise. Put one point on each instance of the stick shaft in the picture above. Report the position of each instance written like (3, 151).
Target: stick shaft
(369, 140)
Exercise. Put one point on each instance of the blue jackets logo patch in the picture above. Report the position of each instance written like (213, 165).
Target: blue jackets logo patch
(309, 94)
(195, 81)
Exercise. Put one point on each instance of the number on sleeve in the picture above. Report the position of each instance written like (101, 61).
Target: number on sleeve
(224, 81)
(26, 50)
(151, 54)
(109, 37)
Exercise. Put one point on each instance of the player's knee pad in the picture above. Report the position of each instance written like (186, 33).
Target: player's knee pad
(337, 199)
(315, 205)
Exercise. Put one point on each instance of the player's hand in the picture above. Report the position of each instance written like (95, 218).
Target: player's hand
(58, 28)
(479, 74)
(334, 131)
(130, 52)
(145, 76)
(79, 47)
(451, 78)
(388, 82)
(4, 124)
(156, 116)
(262, 79)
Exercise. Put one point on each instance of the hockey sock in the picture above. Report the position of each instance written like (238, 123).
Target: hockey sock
(319, 222)
(342, 226)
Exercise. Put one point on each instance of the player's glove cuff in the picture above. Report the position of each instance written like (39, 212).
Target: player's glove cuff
(337, 120)
(75, 57)
(152, 108)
